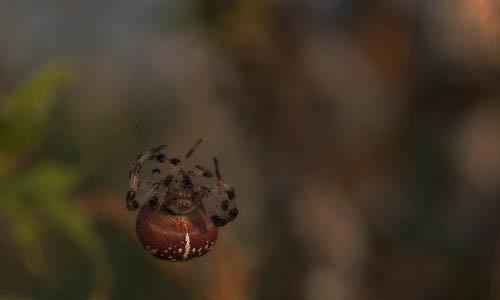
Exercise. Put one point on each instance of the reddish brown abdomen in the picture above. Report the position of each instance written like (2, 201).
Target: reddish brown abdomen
(175, 237)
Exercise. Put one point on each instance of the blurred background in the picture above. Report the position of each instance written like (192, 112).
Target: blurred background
(362, 137)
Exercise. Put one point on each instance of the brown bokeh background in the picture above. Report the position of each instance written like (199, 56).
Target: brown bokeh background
(362, 137)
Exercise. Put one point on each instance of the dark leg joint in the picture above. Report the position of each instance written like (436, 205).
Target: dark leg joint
(153, 202)
(161, 158)
(130, 195)
(233, 213)
(218, 221)
(231, 194)
(131, 203)
(225, 205)
(206, 173)
(186, 181)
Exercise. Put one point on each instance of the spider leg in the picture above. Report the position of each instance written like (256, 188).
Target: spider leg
(163, 196)
(193, 149)
(149, 195)
(233, 210)
(157, 171)
(217, 170)
(202, 171)
(225, 208)
(160, 158)
(153, 153)
(177, 163)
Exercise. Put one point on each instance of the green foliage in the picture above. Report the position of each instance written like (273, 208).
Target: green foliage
(25, 118)
(36, 187)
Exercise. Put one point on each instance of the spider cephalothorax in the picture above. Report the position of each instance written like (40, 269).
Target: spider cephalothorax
(181, 207)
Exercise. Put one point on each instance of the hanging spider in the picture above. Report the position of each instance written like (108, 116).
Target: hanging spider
(181, 208)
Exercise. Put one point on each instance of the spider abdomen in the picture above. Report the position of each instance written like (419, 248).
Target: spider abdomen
(175, 237)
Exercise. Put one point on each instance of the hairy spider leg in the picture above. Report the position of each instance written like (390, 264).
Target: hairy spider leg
(157, 170)
(227, 195)
(231, 194)
(154, 184)
(193, 149)
(223, 186)
(217, 170)
(199, 170)
(162, 197)
(176, 165)
(202, 171)
(153, 153)
(150, 194)
(219, 220)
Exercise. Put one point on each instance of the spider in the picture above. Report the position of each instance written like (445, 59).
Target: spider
(181, 208)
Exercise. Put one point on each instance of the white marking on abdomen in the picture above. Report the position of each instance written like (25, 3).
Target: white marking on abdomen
(187, 247)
